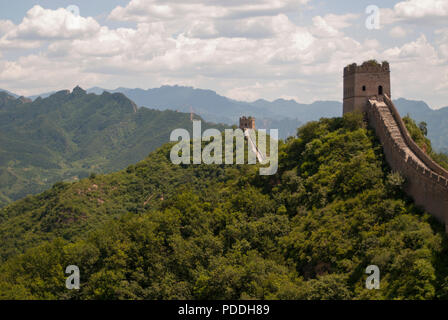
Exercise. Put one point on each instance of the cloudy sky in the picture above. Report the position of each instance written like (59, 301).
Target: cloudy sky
(244, 49)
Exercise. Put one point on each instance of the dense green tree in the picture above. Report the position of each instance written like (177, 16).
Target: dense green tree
(69, 136)
(160, 231)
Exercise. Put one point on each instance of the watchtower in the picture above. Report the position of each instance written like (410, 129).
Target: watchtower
(370, 79)
(247, 123)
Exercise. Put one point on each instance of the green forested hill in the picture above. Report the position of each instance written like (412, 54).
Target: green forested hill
(161, 231)
(67, 136)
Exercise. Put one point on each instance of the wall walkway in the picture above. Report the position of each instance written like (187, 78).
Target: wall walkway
(426, 181)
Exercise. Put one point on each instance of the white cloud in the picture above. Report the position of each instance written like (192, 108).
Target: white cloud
(245, 93)
(372, 43)
(398, 32)
(442, 42)
(5, 26)
(331, 25)
(151, 10)
(41, 24)
(421, 8)
(340, 21)
(267, 48)
(253, 27)
(417, 11)
(202, 29)
(418, 70)
(323, 29)
(419, 48)
(241, 50)
(44, 24)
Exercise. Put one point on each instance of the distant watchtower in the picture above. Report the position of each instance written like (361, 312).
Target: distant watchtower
(370, 79)
(247, 123)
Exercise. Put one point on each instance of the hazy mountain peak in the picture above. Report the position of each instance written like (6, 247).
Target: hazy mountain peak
(78, 91)
(124, 100)
(9, 93)
(24, 99)
(61, 93)
(70, 134)
(5, 98)
(415, 105)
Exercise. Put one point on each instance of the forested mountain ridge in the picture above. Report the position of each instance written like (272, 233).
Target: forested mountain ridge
(69, 135)
(436, 120)
(161, 231)
(282, 114)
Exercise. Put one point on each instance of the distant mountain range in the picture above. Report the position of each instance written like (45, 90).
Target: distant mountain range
(437, 120)
(11, 94)
(209, 104)
(68, 135)
(285, 115)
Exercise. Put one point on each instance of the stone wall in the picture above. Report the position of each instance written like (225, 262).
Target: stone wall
(361, 82)
(247, 123)
(426, 181)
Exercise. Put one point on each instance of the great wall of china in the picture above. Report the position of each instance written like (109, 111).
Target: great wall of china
(367, 89)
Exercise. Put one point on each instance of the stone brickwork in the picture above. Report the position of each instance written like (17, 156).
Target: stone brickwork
(367, 80)
(426, 181)
(367, 89)
(247, 123)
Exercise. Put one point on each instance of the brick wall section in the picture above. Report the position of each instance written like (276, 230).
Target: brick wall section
(426, 181)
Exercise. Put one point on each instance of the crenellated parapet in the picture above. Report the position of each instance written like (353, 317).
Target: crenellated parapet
(431, 164)
(367, 67)
(367, 89)
(426, 181)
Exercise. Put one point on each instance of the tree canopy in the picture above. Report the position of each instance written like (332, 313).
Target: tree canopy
(160, 231)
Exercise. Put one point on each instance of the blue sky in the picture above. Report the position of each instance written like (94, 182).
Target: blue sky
(243, 49)
(16, 10)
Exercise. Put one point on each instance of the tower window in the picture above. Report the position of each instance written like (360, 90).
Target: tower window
(363, 88)
(380, 90)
